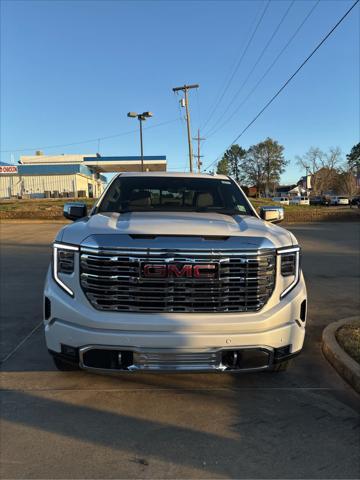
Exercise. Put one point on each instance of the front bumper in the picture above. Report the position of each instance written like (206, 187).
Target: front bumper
(108, 359)
(174, 341)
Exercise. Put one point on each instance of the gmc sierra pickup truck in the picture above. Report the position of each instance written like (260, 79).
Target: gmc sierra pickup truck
(174, 272)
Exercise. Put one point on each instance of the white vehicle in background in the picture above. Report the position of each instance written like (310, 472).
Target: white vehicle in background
(281, 200)
(339, 201)
(299, 201)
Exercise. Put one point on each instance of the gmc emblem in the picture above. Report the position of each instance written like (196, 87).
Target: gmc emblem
(182, 270)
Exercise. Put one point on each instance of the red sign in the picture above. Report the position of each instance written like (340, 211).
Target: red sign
(8, 169)
(155, 270)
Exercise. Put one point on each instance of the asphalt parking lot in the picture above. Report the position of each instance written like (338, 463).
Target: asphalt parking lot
(303, 423)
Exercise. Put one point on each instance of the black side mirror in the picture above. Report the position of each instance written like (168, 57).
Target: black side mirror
(74, 211)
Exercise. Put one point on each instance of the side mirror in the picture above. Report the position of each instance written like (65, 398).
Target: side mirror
(272, 214)
(74, 211)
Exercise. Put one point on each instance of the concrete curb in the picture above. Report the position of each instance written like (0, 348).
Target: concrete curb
(339, 359)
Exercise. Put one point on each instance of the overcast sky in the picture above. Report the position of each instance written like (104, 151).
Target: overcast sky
(71, 70)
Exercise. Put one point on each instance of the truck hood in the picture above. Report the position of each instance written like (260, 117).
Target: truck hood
(247, 231)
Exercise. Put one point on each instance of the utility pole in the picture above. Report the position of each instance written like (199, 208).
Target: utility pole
(198, 156)
(185, 89)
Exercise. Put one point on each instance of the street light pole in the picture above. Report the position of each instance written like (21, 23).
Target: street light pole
(141, 144)
(141, 117)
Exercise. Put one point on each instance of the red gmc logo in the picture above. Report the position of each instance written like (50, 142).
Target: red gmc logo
(175, 270)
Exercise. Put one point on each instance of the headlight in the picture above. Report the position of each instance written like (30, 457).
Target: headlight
(63, 264)
(290, 267)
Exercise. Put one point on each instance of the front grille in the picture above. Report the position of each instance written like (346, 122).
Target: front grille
(112, 281)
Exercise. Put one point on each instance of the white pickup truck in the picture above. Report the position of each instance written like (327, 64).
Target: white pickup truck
(174, 272)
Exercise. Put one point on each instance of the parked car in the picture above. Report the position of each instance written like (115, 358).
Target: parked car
(174, 272)
(281, 200)
(299, 201)
(318, 200)
(339, 201)
(355, 201)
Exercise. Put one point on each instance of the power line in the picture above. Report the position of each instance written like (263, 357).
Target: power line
(289, 79)
(96, 139)
(268, 43)
(237, 66)
(268, 69)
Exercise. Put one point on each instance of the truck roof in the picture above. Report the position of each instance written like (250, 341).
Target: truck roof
(174, 174)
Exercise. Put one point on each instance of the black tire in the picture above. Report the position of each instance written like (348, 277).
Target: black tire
(281, 367)
(64, 366)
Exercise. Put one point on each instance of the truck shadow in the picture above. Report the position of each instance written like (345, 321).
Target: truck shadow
(181, 433)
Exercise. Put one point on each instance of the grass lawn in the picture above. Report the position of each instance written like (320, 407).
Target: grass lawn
(51, 209)
(43, 208)
(348, 337)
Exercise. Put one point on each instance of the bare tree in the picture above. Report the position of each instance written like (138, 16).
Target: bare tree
(322, 166)
(346, 183)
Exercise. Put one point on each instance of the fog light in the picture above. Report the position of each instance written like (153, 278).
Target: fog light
(246, 358)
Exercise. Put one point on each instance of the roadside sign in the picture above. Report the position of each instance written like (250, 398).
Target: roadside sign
(8, 169)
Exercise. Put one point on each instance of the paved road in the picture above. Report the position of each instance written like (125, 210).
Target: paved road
(300, 424)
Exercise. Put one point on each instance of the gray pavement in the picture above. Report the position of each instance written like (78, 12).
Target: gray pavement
(300, 424)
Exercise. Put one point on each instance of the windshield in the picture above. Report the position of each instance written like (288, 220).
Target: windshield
(134, 194)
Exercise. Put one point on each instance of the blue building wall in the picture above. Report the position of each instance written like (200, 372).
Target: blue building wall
(53, 169)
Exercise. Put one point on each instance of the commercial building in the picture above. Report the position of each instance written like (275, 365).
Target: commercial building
(40, 176)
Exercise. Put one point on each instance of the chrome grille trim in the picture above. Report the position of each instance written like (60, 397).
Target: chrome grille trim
(111, 281)
(203, 361)
(163, 251)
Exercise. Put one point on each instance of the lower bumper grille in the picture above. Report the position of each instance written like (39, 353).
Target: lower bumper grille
(177, 361)
(114, 281)
(111, 359)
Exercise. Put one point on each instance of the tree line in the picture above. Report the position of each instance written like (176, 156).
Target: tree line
(262, 165)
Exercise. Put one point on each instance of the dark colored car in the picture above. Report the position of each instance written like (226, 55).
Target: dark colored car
(318, 200)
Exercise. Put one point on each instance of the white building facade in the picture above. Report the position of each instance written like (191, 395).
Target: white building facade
(43, 176)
